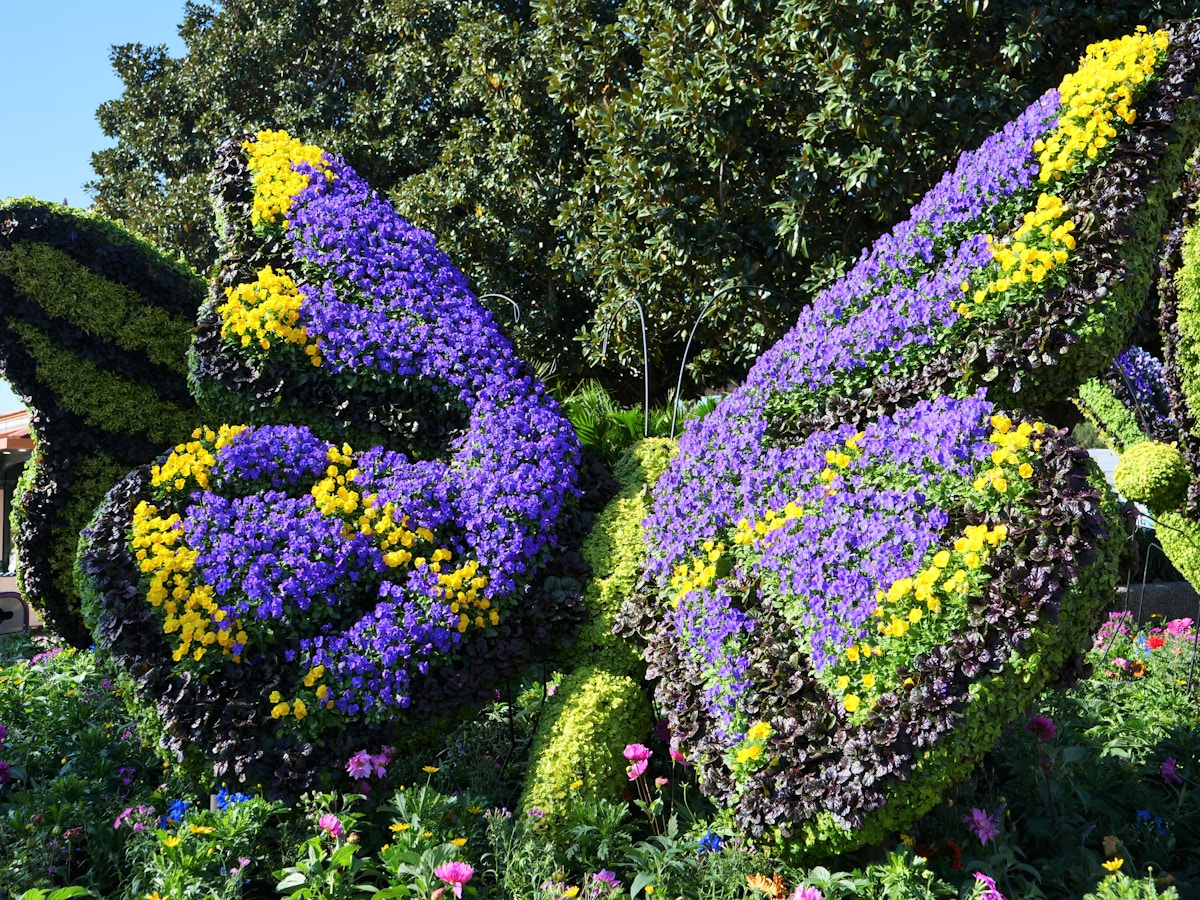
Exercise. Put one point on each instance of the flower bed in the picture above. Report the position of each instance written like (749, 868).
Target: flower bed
(275, 586)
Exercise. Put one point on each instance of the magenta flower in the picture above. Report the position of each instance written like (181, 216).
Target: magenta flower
(1043, 728)
(982, 825)
(6, 776)
(332, 824)
(677, 756)
(989, 888)
(455, 874)
(1179, 627)
(360, 765)
(1169, 775)
(604, 882)
(639, 758)
(806, 893)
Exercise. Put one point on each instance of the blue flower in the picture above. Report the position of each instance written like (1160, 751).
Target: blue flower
(711, 842)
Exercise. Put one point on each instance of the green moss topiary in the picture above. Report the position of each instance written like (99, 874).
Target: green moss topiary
(1154, 474)
(601, 706)
(1117, 425)
(1180, 539)
(94, 328)
(592, 716)
(615, 551)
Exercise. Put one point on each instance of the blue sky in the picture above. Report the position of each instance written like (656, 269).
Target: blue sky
(56, 58)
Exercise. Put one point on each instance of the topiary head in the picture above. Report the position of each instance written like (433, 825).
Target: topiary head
(1154, 474)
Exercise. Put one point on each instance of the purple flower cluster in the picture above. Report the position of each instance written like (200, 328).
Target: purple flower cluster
(391, 318)
(861, 531)
(902, 294)
(1140, 377)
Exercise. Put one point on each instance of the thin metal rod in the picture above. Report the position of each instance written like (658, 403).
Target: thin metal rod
(688, 346)
(516, 309)
(645, 355)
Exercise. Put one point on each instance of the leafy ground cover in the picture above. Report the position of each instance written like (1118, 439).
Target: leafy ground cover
(1091, 794)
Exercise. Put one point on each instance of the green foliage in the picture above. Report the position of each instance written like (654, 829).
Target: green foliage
(615, 550)
(1113, 420)
(591, 717)
(1154, 474)
(1121, 887)
(600, 706)
(76, 762)
(1187, 290)
(766, 142)
(1180, 538)
(94, 334)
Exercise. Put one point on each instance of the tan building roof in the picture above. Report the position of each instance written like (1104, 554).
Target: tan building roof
(14, 431)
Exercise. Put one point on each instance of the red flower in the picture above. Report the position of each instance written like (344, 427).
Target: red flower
(1155, 641)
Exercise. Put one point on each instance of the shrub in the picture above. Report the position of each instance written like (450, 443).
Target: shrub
(94, 333)
(380, 542)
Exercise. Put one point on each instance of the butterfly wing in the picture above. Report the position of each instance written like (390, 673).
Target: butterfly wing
(94, 329)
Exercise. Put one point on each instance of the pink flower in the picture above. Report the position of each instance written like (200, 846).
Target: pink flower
(1043, 727)
(638, 752)
(989, 888)
(1179, 627)
(360, 765)
(455, 874)
(1169, 775)
(331, 823)
(380, 761)
(661, 782)
(806, 893)
(983, 826)
(677, 756)
(639, 757)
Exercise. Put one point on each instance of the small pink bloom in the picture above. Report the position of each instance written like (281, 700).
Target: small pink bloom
(1179, 627)
(379, 761)
(983, 826)
(455, 874)
(677, 755)
(989, 888)
(360, 765)
(637, 769)
(332, 824)
(806, 893)
(661, 782)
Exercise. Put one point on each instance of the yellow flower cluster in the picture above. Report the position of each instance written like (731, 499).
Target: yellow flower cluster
(335, 496)
(700, 574)
(748, 532)
(1040, 245)
(1010, 461)
(281, 708)
(462, 588)
(162, 554)
(272, 158)
(189, 465)
(748, 754)
(1098, 93)
(836, 461)
(909, 602)
(255, 313)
